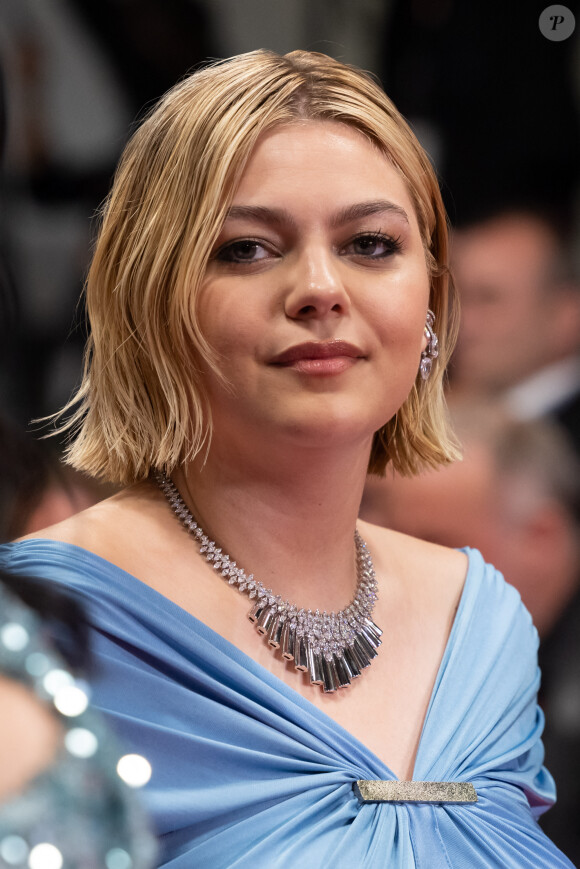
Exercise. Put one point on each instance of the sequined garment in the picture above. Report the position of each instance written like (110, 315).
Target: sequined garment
(78, 813)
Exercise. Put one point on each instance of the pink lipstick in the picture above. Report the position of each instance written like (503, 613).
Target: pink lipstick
(319, 357)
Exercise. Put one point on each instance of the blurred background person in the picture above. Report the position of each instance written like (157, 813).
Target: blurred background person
(519, 338)
(64, 800)
(515, 497)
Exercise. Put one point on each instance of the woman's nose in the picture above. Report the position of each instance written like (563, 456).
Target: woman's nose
(317, 289)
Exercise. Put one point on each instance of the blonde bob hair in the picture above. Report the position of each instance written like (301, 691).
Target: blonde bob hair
(141, 404)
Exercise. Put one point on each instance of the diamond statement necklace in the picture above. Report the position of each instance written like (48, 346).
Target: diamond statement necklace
(333, 648)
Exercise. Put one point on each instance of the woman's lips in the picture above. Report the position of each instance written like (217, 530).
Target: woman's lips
(319, 357)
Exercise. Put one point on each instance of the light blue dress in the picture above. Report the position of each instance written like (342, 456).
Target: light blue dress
(248, 773)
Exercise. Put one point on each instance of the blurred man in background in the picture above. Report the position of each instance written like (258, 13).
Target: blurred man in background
(519, 338)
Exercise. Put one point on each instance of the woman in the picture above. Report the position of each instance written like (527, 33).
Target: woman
(264, 297)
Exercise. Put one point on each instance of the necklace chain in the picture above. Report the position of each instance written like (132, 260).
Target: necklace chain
(332, 648)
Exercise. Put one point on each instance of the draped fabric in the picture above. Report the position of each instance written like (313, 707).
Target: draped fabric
(248, 773)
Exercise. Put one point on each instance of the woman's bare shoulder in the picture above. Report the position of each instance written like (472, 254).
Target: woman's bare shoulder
(428, 566)
(133, 530)
(102, 527)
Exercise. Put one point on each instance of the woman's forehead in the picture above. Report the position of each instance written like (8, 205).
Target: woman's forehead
(321, 160)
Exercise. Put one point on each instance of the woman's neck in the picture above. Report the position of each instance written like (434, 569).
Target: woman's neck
(290, 522)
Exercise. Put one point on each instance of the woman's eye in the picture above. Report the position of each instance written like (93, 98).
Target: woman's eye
(373, 246)
(244, 250)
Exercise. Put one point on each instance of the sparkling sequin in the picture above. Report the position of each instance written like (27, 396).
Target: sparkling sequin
(37, 664)
(13, 850)
(134, 769)
(71, 701)
(55, 680)
(81, 742)
(45, 856)
(14, 637)
(117, 858)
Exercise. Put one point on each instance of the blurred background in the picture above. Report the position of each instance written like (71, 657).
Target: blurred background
(495, 102)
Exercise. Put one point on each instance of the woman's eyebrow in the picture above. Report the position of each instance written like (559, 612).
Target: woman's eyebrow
(261, 214)
(361, 210)
(350, 213)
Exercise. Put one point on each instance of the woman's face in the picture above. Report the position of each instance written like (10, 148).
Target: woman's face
(316, 292)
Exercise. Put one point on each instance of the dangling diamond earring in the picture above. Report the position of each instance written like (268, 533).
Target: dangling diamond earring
(431, 351)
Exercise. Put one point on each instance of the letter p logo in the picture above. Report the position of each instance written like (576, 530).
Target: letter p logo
(556, 23)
